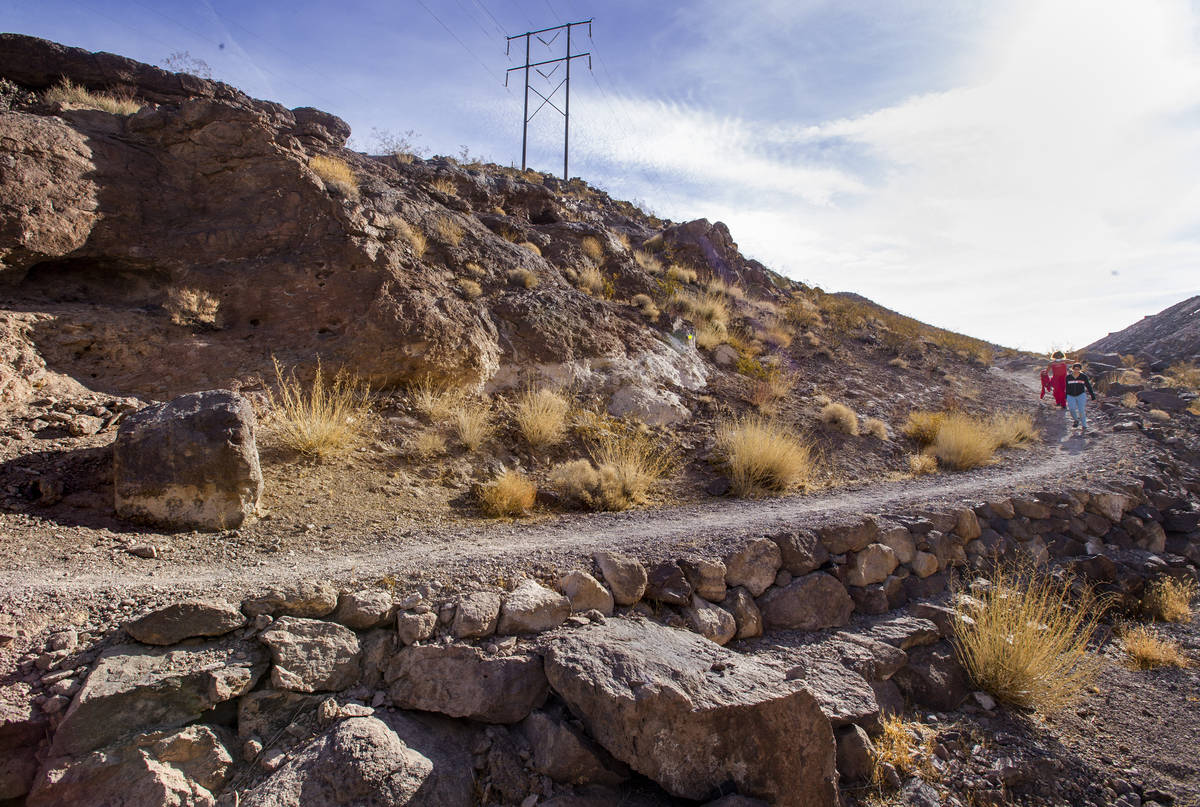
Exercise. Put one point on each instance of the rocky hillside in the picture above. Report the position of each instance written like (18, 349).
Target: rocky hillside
(1171, 335)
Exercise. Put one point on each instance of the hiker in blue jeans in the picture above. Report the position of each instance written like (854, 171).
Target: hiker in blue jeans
(1077, 385)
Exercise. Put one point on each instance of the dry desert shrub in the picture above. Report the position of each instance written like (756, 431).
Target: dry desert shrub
(1184, 374)
(448, 230)
(772, 387)
(1146, 649)
(1129, 400)
(474, 270)
(710, 334)
(1194, 407)
(731, 290)
(434, 399)
(963, 442)
(591, 247)
(65, 92)
(1170, 600)
(532, 247)
(709, 309)
(681, 274)
(764, 456)
(923, 426)
(841, 417)
(623, 470)
(472, 423)
(541, 416)
(336, 174)
(803, 313)
(1160, 415)
(904, 747)
(429, 443)
(1024, 638)
(648, 262)
(191, 306)
(414, 237)
(320, 419)
(523, 277)
(590, 280)
(645, 304)
(922, 464)
(444, 185)
(876, 428)
(774, 333)
(899, 363)
(509, 494)
(470, 289)
(1014, 430)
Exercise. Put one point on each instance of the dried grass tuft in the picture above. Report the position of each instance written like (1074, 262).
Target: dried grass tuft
(590, 280)
(1147, 649)
(510, 494)
(841, 417)
(191, 306)
(336, 174)
(472, 424)
(1169, 599)
(541, 416)
(1024, 638)
(65, 92)
(876, 428)
(320, 419)
(592, 248)
(922, 464)
(523, 277)
(764, 456)
(964, 442)
(1014, 430)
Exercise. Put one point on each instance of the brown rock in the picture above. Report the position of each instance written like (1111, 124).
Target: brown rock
(625, 576)
(753, 566)
(745, 613)
(415, 627)
(586, 593)
(667, 584)
(691, 715)
(710, 621)
(476, 615)
(855, 754)
(312, 600)
(311, 655)
(924, 564)
(871, 564)
(849, 537)
(967, 525)
(811, 602)
(190, 463)
(1031, 508)
(707, 577)
(183, 620)
(363, 610)
(567, 755)
(933, 677)
(801, 551)
(460, 681)
(900, 540)
(532, 608)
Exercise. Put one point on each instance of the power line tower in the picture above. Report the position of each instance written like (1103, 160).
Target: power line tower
(566, 111)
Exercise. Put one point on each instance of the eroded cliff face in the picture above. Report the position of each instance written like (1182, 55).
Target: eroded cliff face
(207, 194)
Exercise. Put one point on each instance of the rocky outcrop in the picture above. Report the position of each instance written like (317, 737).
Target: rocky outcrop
(691, 716)
(463, 681)
(1171, 335)
(133, 688)
(358, 761)
(192, 463)
(184, 620)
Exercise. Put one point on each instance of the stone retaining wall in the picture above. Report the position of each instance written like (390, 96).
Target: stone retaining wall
(527, 696)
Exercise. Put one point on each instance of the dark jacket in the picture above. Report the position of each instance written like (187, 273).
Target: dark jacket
(1077, 385)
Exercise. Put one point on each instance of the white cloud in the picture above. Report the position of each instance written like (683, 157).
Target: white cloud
(1051, 199)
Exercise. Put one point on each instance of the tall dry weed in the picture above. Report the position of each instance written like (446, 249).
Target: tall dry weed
(541, 416)
(320, 419)
(764, 457)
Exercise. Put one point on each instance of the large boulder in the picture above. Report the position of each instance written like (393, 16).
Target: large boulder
(626, 576)
(359, 761)
(191, 463)
(184, 620)
(532, 608)
(134, 688)
(811, 602)
(567, 755)
(586, 593)
(311, 655)
(22, 727)
(462, 681)
(933, 677)
(693, 716)
(754, 565)
(185, 768)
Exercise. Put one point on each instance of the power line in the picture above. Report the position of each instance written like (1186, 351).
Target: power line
(499, 27)
(421, 3)
(474, 19)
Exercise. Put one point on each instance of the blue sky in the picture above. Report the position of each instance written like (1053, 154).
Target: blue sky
(1026, 171)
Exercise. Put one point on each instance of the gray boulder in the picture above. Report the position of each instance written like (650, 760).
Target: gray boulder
(532, 608)
(184, 767)
(133, 688)
(567, 755)
(811, 602)
(707, 577)
(710, 621)
(692, 716)
(933, 677)
(476, 615)
(626, 577)
(359, 761)
(362, 610)
(801, 551)
(183, 620)
(305, 599)
(754, 565)
(190, 464)
(311, 655)
(586, 593)
(461, 681)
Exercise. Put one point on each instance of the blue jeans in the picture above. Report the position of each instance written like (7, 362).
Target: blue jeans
(1075, 405)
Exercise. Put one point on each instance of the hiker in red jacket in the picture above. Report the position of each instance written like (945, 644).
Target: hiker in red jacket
(1045, 384)
(1058, 378)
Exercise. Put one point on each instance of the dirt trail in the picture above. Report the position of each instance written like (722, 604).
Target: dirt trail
(492, 552)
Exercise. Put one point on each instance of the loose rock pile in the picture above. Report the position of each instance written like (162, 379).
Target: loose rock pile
(562, 688)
